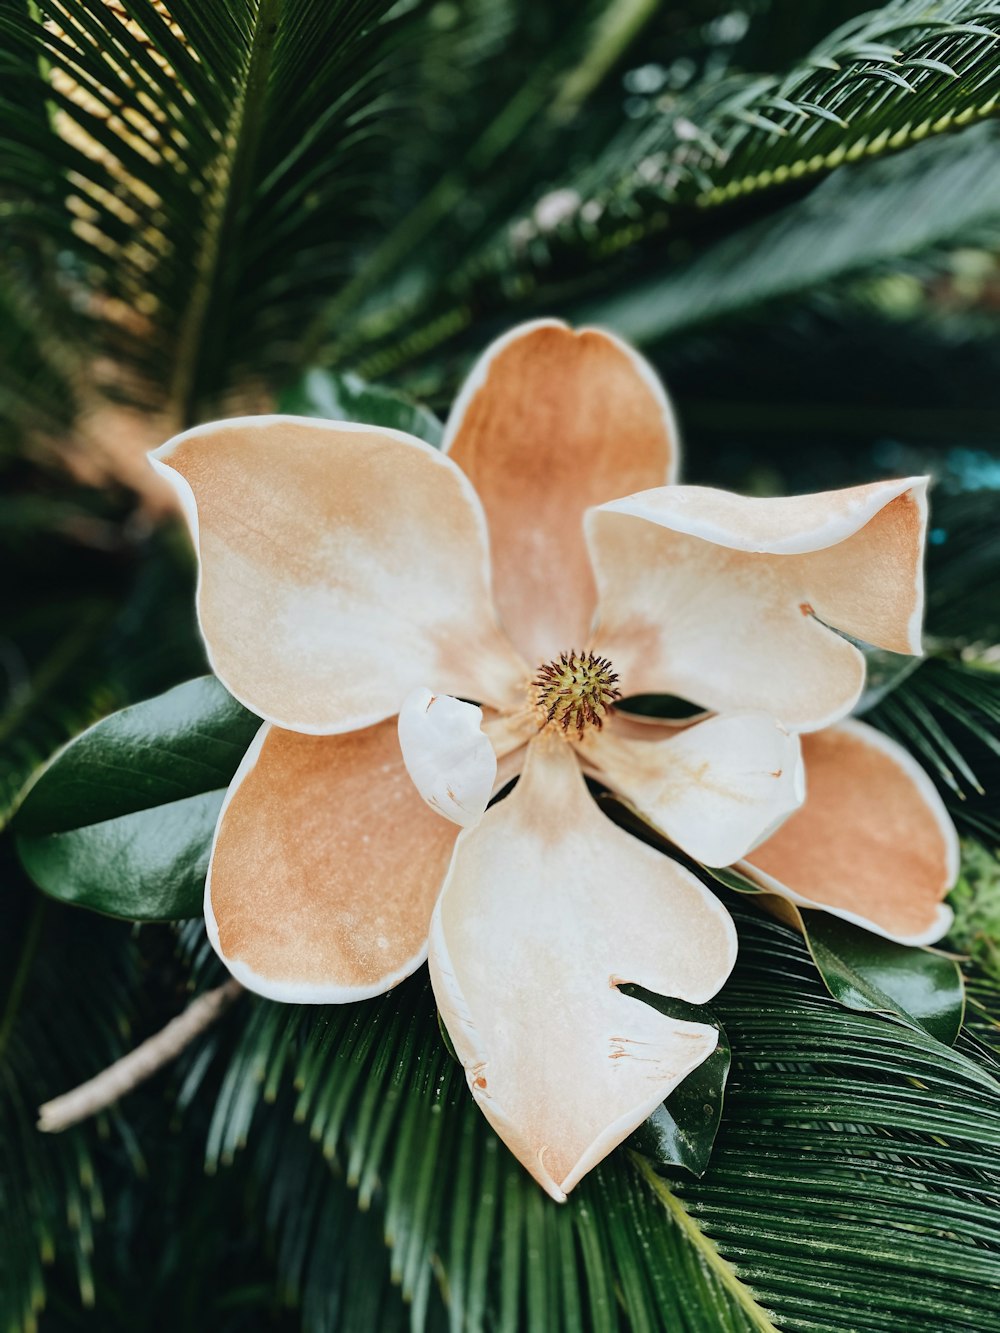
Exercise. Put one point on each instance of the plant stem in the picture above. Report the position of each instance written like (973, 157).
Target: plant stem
(110, 1084)
(706, 1249)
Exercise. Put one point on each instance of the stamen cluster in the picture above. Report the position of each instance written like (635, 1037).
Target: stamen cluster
(576, 691)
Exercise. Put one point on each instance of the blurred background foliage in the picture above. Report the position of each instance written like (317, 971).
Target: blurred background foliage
(795, 209)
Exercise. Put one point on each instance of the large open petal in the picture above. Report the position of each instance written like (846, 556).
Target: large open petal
(728, 601)
(325, 867)
(547, 909)
(341, 566)
(549, 422)
(716, 789)
(872, 844)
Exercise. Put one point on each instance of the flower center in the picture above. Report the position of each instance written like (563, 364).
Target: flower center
(575, 691)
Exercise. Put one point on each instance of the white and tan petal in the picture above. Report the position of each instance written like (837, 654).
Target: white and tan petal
(341, 566)
(447, 754)
(325, 867)
(549, 422)
(873, 842)
(716, 789)
(729, 601)
(547, 910)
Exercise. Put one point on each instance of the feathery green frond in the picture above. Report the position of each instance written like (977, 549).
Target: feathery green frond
(189, 165)
(861, 217)
(887, 81)
(948, 714)
(847, 1142)
(55, 1025)
(882, 81)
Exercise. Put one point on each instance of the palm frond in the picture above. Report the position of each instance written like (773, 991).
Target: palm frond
(847, 1142)
(948, 714)
(55, 1024)
(874, 213)
(189, 164)
(881, 82)
(886, 82)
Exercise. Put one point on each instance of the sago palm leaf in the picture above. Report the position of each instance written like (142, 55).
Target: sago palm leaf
(872, 214)
(879, 83)
(54, 1023)
(850, 1145)
(198, 168)
(883, 84)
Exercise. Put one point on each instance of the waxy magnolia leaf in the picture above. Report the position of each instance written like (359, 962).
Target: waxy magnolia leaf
(865, 971)
(121, 819)
(682, 1131)
(347, 397)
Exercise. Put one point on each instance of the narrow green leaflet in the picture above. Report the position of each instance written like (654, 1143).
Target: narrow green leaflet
(347, 397)
(848, 1146)
(121, 819)
(682, 1131)
(884, 672)
(862, 215)
(864, 971)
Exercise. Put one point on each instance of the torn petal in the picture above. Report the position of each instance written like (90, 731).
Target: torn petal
(873, 842)
(716, 788)
(547, 909)
(447, 754)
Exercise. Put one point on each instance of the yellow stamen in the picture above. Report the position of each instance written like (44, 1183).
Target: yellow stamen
(575, 691)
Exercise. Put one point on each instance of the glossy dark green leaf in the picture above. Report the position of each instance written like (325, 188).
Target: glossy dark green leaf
(731, 878)
(146, 866)
(682, 1131)
(865, 971)
(121, 819)
(347, 397)
(670, 706)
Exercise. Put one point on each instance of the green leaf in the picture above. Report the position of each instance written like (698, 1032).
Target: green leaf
(121, 820)
(947, 713)
(347, 397)
(864, 214)
(865, 971)
(68, 987)
(223, 158)
(731, 878)
(682, 1131)
(848, 1146)
(147, 866)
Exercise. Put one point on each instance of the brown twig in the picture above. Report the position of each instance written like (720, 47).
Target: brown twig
(132, 1069)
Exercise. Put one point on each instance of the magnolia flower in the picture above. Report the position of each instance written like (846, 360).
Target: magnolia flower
(416, 624)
